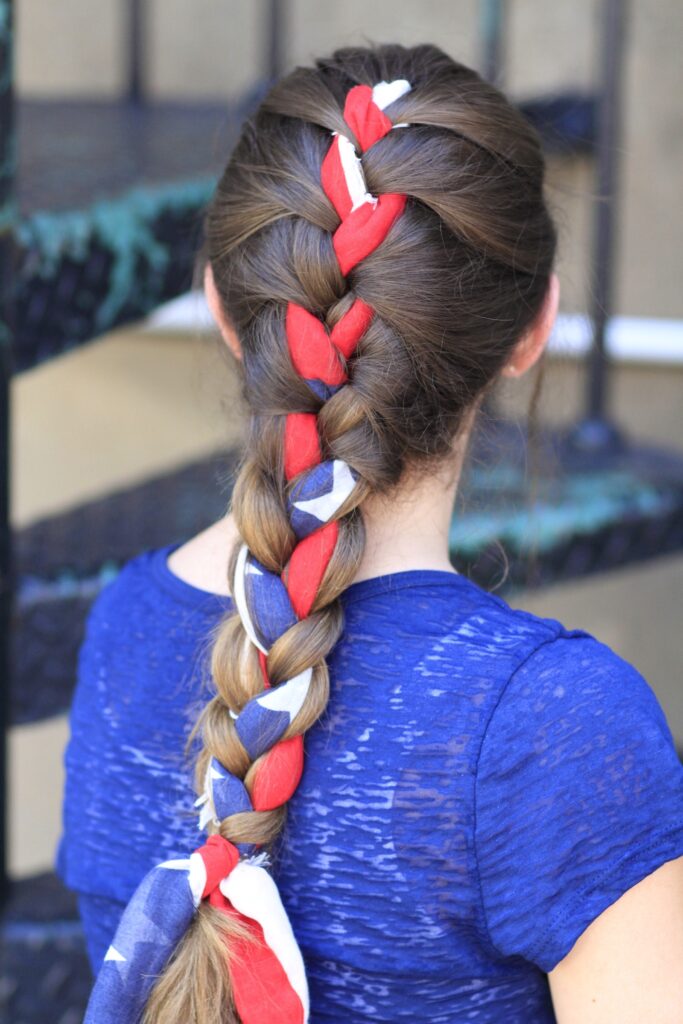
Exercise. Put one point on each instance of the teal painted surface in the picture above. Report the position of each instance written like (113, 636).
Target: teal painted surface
(68, 585)
(575, 505)
(125, 227)
(6, 45)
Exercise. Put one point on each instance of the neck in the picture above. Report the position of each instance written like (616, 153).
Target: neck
(409, 529)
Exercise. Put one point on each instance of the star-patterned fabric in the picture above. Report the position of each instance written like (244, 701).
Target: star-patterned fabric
(483, 784)
(153, 923)
(270, 605)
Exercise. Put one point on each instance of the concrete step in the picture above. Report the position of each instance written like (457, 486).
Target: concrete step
(45, 975)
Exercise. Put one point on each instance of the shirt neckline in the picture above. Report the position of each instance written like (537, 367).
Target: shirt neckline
(383, 584)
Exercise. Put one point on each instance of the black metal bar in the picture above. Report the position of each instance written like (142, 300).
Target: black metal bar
(492, 14)
(604, 238)
(275, 48)
(491, 42)
(596, 434)
(7, 236)
(136, 38)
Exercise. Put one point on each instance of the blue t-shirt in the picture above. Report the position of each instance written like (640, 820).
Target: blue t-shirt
(483, 784)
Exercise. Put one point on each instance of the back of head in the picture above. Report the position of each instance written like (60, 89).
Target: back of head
(377, 287)
(459, 277)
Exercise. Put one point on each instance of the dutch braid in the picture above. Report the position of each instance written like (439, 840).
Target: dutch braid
(349, 379)
(286, 594)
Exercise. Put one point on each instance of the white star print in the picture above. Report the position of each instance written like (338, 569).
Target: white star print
(324, 506)
(289, 696)
(113, 954)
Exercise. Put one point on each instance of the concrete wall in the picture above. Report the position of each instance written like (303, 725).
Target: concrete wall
(211, 48)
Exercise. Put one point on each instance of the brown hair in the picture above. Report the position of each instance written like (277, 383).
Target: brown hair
(461, 275)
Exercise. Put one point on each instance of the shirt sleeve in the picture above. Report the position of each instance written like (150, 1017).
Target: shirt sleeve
(579, 796)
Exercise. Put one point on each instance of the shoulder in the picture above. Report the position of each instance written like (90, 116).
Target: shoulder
(561, 679)
(578, 794)
(122, 616)
(191, 573)
(434, 607)
(573, 721)
(571, 704)
(202, 561)
(141, 604)
(573, 679)
(121, 587)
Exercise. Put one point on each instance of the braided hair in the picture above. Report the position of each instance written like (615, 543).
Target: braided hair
(380, 241)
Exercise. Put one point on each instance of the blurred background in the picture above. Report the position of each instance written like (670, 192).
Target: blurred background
(119, 422)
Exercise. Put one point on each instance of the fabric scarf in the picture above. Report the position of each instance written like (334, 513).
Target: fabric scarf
(267, 971)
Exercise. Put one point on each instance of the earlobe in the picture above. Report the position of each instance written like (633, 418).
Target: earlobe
(550, 307)
(217, 312)
(528, 350)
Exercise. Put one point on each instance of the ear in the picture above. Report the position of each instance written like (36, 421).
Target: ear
(216, 306)
(530, 346)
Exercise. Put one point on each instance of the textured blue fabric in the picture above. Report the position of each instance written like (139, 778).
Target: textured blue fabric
(483, 784)
(153, 923)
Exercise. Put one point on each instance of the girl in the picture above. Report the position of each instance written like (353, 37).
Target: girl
(487, 822)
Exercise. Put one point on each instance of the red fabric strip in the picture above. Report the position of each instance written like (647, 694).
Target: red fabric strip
(365, 229)
(278, 774)
(301, 442)
(365, 119)
(263, 662)
(312, 352)
(307, 565)
(260, 986)
(348, 331)
(219, 856)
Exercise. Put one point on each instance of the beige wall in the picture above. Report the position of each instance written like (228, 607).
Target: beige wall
(318, 27)
(71, 48)
(197, 48)
(204, 47)
(649, 270)
(209, 48)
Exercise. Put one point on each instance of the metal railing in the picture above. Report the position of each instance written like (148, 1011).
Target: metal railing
(594, 432)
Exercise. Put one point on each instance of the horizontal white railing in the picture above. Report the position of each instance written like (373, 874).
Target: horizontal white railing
(628, 338)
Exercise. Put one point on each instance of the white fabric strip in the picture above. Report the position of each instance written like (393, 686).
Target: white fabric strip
(353, 174)
(197, 878)
(240, 597)
(252, 891)
(383, 94)
(207, 811)
(205, 801)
